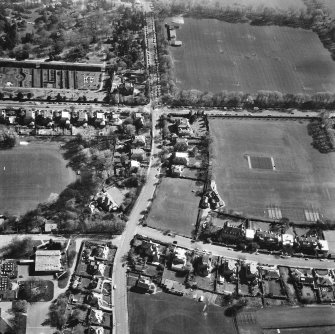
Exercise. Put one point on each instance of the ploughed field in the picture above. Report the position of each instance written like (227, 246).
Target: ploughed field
(217, 56)
(175, 206)
(163, 313)
(299, 183)
(29, 174)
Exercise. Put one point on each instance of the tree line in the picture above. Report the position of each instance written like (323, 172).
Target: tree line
(315, 18)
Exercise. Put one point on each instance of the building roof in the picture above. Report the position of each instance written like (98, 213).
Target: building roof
(137, 151)
(287, 239)
(324, 245)
(96, 316)
(249, 233)
(181, 155)
(116, 194)
(135, 164)
(49, 227)
(47, 260)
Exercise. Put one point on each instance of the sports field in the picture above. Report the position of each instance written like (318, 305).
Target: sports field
(168, 314)
(300, 187)
(176, 205)
(287, 317)
(218, 56)
(29, 174)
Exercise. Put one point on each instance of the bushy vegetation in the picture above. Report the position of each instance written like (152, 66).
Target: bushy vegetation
(18, 248)
(70, 210)
(57, 312)
(8, 138)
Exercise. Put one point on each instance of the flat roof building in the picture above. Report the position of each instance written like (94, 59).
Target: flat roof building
(48, 260)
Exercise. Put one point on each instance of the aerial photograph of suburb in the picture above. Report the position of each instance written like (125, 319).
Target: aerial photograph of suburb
(167, 166)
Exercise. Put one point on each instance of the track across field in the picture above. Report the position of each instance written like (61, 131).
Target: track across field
(301, 186)
(218, 56)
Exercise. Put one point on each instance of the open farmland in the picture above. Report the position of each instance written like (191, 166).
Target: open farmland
(217, 56)
(30, 174)
(302, 183)
(168, 314)
(175, 207)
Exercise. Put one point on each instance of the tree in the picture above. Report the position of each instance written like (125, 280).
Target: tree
(180, 147)
(129, 129)
(57, 310)
(8, 138)
(19, 96)
(19, 248)
(19, 306)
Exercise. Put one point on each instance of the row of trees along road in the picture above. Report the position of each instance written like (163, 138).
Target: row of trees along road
(314, 16)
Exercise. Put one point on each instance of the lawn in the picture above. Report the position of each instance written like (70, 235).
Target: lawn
(217, 56)
(303, 178)
(36, 291)
(175, 207)
(29, 174)
(168, 314)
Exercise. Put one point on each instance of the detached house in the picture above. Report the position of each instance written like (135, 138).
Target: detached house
(145, 284)
(139, 141)
(231, 233)
(181, 158)
(308, 243)
(267, 238)
(228, 270)
(179, 259)
(203, 265)
(138, 154)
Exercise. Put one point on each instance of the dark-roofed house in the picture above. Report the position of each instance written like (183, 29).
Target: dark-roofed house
(48, 260)
(267, 237)
(308, 243)
(230, 233)
(145, 284)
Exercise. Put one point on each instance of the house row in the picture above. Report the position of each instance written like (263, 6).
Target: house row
(235, 234)
(65, 118)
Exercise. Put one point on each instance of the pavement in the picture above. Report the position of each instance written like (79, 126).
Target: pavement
(230, 253)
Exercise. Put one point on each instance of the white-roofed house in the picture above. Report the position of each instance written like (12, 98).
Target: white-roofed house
(249, 234)
(181, 158)
(287, 239)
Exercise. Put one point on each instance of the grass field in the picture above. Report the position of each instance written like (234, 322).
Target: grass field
(303, 179)
(219, 56)
(167, 314)
(287, 317)
(30, 174)
(176, 205)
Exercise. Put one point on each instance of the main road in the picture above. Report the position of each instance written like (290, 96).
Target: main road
(120, 318)
(230, 253)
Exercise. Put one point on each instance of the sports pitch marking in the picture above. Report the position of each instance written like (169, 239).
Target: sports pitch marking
(256, 162)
